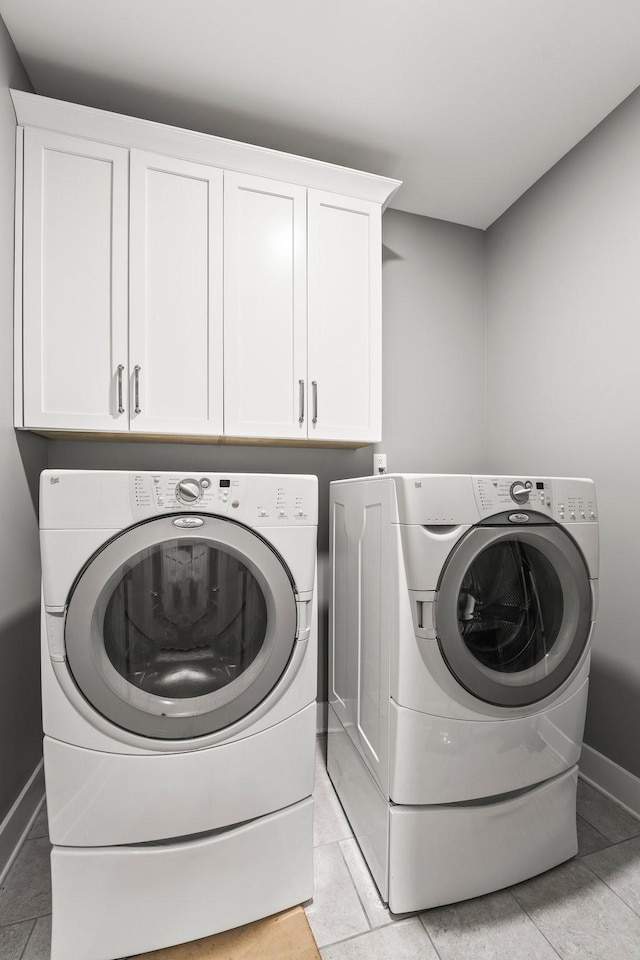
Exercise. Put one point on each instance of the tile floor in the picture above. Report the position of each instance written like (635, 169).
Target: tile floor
(586, 909)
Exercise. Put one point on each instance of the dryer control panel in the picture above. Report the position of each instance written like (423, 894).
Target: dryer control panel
(254, 499)
(565, 500)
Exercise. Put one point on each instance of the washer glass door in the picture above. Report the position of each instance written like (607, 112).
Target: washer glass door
(180, 626)
(514, 612)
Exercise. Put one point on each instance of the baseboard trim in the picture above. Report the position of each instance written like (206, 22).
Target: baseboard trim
(611, 779)
(322, 708)
(18, 822)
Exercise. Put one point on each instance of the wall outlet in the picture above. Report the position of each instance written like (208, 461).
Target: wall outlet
(379, 463)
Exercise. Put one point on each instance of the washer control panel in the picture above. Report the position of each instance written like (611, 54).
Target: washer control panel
(254, 499)
(565, 500)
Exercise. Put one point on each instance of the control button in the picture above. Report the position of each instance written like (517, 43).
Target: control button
(235, 503)
(188, 490)
(281, 513)
(262, 513)
(583, 514)
(572, 515)
(205, 483)
(519, 492)
(592, 515)
(301, 513)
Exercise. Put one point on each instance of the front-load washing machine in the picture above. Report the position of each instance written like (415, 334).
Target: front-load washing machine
(179, 684)
(461, 615)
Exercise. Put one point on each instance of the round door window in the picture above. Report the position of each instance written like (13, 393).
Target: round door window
(510, 607)
(175, 635)
(184, 620)
(514, 613)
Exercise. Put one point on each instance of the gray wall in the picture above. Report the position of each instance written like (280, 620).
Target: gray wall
(433, 323)
(20, 463)
(433, 380)
(563, 390)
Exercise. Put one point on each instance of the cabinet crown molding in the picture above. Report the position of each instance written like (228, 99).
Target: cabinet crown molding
(74, 119)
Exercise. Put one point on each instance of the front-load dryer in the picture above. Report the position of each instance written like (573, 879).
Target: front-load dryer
(461, 616)
(179, 648)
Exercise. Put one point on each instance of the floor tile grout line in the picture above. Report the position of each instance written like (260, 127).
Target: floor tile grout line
(618, 805)
(609, 844)
(429, 937)
(28, 940)
(36, 916)
(614, 892)
(609, 841)
(591, 826)
(527, 914)
(364, 933)
(354, 884)
(326, 843)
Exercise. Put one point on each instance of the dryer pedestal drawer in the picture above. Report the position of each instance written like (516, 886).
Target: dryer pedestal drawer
(445, 760)
(119, 901)
(443, 854)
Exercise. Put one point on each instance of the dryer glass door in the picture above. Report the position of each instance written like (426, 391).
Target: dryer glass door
(514, 612)
(177, 631)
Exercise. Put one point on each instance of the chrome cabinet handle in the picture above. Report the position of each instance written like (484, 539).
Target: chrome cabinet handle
(136, 388)
(314, 384)
(301, 400)
(120, 403)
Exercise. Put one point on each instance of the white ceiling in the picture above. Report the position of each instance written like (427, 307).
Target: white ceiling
(468, 102)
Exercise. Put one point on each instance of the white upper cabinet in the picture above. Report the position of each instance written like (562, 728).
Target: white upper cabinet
(74, 291)
(344, 283)
(302, 313)
(175, 320)
(174, 284)
(265, 307)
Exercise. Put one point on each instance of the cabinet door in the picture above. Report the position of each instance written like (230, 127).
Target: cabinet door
(265, 308)
(344, 263)
(175, 335)
(75, 282)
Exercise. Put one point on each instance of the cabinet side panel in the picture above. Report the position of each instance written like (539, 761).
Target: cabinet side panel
(371, 629)
(362, 577)
(338, 688)
(18, 400)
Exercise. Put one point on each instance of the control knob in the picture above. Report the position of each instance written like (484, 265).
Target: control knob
(519, 492)
(188, 491)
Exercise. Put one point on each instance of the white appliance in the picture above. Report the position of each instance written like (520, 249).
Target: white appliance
(179, 684)
(461, 616)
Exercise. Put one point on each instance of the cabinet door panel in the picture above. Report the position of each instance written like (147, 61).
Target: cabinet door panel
(176, 296)
(75, 282)
(265, 307)
(345, 257)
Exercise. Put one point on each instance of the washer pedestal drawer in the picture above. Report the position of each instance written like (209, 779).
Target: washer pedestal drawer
(112, 902)
(443, 854)
(104, 799)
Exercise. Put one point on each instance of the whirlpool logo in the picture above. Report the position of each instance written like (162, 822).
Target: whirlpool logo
(188, 522)
(519, 517)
